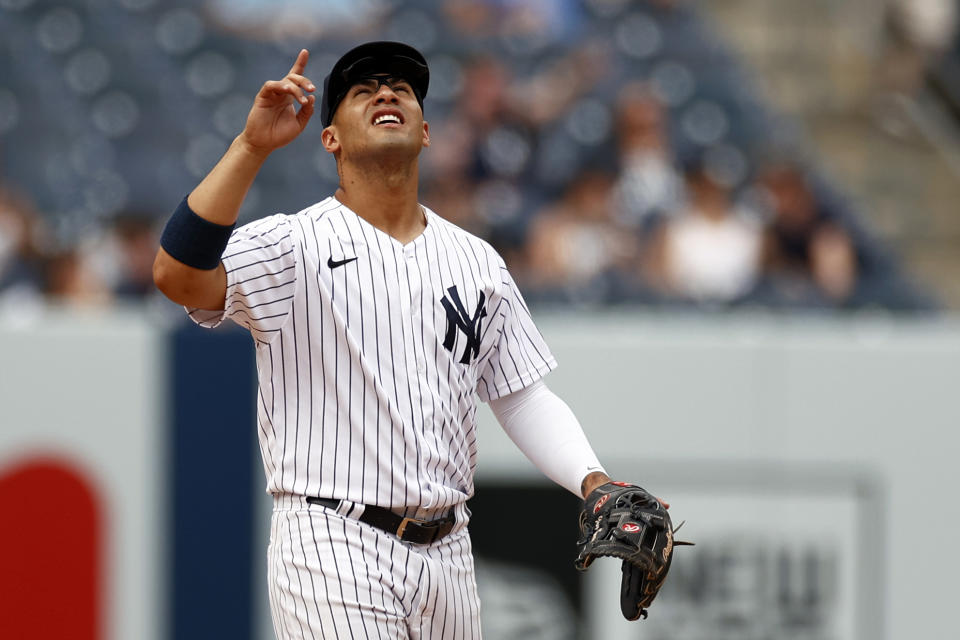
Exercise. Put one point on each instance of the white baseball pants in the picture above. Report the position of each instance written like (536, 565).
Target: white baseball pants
(333, 577)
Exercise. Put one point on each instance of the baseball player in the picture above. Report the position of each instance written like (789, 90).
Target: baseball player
(377, 325)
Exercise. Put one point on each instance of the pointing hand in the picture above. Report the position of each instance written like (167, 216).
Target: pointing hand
(274, 119)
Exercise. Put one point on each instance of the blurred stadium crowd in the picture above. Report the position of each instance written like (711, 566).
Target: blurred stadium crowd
(614, 151)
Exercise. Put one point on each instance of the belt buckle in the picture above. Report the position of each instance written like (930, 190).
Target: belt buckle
(428, 527)
(403, 526)
(433, 528)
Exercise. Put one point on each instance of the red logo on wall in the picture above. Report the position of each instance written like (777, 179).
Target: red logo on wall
(52, 547)
(630, 527)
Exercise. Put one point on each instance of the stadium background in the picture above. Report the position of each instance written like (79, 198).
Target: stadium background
(797, 409)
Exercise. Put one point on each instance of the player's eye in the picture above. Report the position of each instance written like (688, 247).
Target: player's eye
(362, 88)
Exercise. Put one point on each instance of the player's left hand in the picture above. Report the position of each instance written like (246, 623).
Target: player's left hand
(622, 520)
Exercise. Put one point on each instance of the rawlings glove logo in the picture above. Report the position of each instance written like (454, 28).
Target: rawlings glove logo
(625, 523)
(602, 501)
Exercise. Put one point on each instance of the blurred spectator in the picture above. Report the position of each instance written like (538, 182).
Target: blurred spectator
(574, 247)
(286, 19)
(649, 185)
(21, 259)
(471, 18)
(72, 280)
(523, 26)
(489, 144)
(918, 33)
(137, 241)
(809, 258)
(486, 145)
(547, 96)
(529, 26)
(527, 108)
(485, 135)
(709, 251)
(920, 30)
(453, 195)
(492, 131)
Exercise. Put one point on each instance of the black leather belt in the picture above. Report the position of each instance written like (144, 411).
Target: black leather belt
(407, 529)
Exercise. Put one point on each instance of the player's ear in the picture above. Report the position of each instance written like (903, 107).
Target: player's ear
(426, 134)
(329, 139)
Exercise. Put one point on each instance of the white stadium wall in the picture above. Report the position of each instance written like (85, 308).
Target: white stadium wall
(779, 436)
(812, 459)
(85, 393)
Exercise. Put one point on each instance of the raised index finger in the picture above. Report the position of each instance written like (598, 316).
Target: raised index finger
(301, 62)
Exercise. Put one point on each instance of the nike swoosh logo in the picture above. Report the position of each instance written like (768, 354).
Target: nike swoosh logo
(333, 264)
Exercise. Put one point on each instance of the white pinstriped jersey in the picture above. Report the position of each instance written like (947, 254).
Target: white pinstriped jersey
(371, 353)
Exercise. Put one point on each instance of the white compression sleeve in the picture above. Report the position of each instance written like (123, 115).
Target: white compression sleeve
(547, 432)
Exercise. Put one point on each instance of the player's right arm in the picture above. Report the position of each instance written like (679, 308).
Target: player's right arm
(273, 122)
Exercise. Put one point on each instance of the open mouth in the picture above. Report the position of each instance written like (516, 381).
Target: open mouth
(387, 118)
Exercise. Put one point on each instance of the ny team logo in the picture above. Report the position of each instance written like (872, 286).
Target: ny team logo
(458, 318)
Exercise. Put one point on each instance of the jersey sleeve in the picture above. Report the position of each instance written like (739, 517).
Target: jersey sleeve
(261, 278)
(521, 356)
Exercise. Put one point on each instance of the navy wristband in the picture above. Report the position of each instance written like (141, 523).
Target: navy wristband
(194, 241)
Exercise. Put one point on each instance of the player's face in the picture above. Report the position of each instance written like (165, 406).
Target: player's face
(379, 116)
